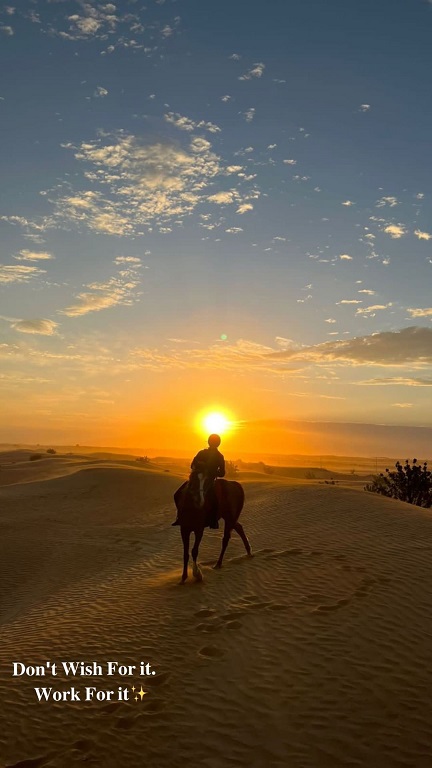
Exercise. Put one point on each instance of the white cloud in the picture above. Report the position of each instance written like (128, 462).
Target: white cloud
(226, 98)
(249, 114)
(372, 309)
(402, 405)
(244, 207)
(223, 198)
(348, 203)
(41, 327)
(26, 255)
(256, 71)
(368, 291)
(349, 301)
(364, 107)
(395, 231)
(422, 235)
(186, 124)
(390, 201)
(121, 289)
(234, 230)
(127, 260)
(290, 162)
(345, 257)
(420, 312)
(100, 92)
(136, 184)
(18, 273)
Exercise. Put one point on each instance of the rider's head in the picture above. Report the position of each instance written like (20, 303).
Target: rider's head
(214, 441)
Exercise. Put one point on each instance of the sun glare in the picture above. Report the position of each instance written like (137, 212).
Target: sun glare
(215, 422)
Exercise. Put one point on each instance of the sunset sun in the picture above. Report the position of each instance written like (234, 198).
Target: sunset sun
(215, 421)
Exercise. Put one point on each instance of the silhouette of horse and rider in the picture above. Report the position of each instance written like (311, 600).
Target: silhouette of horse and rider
(203, 500)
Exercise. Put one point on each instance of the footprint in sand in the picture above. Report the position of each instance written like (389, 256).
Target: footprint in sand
(210, 627)
(154, 681)
(233, 624)
(331, 606)
(205, 613)
(125, 723)
(210, 652)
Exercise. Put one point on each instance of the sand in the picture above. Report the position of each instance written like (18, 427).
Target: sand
(315, 652)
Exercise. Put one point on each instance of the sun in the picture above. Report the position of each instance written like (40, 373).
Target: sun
(215, 422)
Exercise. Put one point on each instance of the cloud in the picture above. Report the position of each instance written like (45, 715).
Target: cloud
(41, 327)
(244, 207)
(401, 405)
(364, 107)
(390, 201)
(372, 309)
(186, 124)
(398, 381)
(249, 114)
(100, 92)
(388, 348)
(349, 301)
(420, 312)
(290, 162)
(18, 273)
(395, 231)
(223, 198)
(7, 30)
(422, 235)
(137, 185)
(256, 71)
(368, 291)
(26, 255)
(127, 260)
(226, 98)
(348, 203)
(119, 289)
(345, 257)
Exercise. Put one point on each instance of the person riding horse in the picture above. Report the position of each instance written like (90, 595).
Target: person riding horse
(210, 463)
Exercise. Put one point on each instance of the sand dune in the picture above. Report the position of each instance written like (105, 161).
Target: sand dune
(316, 652)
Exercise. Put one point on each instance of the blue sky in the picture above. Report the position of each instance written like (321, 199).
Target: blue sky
(178, 172)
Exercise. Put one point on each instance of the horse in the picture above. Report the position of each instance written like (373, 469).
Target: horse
(192, 510)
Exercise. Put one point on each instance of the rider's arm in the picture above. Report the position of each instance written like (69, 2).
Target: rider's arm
(221, 468)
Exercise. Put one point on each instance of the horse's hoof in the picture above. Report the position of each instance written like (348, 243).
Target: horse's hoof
(182, 581)
(250, 554)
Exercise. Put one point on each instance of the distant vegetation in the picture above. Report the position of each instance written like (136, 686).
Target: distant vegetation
(231, 469)
(411, 483)
(51, 451)
(35, 457)
(143, 459)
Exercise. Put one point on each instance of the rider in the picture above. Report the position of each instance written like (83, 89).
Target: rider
(211, 463)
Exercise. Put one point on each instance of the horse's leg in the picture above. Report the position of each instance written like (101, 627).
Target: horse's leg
(185, 534)
(196, 570)
(225, 540)
(239, 529)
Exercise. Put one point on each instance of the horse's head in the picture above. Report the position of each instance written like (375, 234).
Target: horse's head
(196, 488)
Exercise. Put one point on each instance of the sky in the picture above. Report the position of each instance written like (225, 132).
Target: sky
(216, 206)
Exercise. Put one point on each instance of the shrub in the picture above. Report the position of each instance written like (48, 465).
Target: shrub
(231, 469)
(310, 475)
(411, 483)
(51, 451)
(143, 459)
(35, 457)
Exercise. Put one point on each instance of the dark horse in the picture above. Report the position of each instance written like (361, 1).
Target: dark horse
(193, 510)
